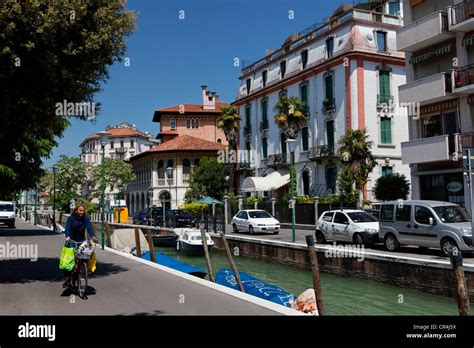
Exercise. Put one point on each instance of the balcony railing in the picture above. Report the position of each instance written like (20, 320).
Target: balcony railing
(323, 151)
(121, 150)
(462, 12)
(432, 149)
(463, 76)
(277, 159)
(329, 105)
(263, 125)
(247, 129)
(385, 101)
(427, 89)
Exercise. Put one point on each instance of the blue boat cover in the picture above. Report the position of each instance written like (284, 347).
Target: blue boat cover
(167, 261)
(255, 287)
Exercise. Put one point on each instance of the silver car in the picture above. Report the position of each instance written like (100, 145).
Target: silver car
(426, 224)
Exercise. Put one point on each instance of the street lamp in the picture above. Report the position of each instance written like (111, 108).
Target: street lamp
(36, 207)
(103, 141)
(55, 169)
(291, 146)
(169, 173)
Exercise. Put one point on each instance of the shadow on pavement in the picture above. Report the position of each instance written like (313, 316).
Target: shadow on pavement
(46, 270)
(153, 313)
(18, 232)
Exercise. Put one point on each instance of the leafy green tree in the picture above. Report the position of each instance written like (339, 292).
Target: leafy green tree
(357, 161)
(207, 179)
(70, 176)
(229, 122)
(117, 173)
(392, 187)
(51, 51)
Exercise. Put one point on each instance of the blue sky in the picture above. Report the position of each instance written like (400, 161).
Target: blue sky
(170, 58)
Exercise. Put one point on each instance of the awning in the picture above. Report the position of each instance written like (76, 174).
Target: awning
(468, 40)
(270, 182)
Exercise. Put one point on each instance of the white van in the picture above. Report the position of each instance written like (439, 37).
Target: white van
(7, 213)
(427, 224)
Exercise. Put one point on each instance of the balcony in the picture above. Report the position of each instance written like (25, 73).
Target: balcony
(433, 149)
(429, 89)
(247, 129)
(121, 150)
(278, 160)
(246, 166)
(464, 79)
(385, 102)
(320, 152)
(329, 105)
(263, 125)
(467, 139)
(461, 17)
(424, 32)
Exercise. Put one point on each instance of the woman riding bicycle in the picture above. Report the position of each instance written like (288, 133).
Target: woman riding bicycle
(76, 226)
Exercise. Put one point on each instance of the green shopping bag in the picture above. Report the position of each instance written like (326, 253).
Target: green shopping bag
(67, 260)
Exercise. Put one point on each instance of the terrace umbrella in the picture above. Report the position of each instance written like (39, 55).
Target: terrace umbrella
(209, 200)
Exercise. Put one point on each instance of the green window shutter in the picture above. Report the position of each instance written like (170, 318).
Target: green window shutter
(385, 130)
(283, 143)
(329, 94)
(304, 94)
(384, 84)
(264, 110)
(387, 171)
(265, 147)
(304, 137)
(330, 135)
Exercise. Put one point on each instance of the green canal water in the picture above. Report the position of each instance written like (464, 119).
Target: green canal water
(342, 295)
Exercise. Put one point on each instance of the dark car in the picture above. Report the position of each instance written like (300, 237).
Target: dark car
(149, 216)
(180, 218)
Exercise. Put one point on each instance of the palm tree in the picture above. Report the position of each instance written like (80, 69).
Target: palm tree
(229, 122)
(290, 115)
(356, 158)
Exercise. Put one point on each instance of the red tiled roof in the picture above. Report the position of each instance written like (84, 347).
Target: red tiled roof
(120, 132)
(188, 109)
(183, 143)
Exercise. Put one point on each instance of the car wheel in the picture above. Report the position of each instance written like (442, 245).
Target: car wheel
(251, 229)
(391, 243)
(448, 245)
(358, 239)
(234, 227)
(276, 232)
(320, 239)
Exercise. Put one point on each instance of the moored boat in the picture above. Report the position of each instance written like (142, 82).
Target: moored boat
(190, 241)
(255, 287)
(164, 260)
(165, 240)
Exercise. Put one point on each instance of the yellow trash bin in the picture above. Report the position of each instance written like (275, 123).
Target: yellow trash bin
(123, 211)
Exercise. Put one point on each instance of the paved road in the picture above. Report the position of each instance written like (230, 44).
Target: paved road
(285, 235)
(119, 286)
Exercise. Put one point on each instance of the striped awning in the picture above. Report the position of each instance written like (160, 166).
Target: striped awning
(435, 52)
(468, 39)
(270, 182)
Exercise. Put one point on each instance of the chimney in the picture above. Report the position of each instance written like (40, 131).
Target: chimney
(208, 99)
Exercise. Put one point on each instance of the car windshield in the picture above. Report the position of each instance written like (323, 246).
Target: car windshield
(361, 216)
(6, 207)
(452, 214)
(196, 237)
(259, 215)
(185, 214)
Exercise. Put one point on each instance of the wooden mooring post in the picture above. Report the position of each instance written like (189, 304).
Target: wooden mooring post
(207, 256)
(462, 295)
(137, 242)
(149, 236)
(231, 261)
(315, 271)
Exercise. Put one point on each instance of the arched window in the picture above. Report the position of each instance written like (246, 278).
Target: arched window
(193, 123)
(197, 123)
(170, 163)
(161, 170)
(219, 141)
(173, 123)
(188, 123)
(186, 167)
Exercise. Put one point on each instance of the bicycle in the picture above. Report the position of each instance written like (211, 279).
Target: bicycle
(79, 274)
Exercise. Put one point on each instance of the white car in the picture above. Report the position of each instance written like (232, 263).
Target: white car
(255, 221)
(356, 226)
(7, 213)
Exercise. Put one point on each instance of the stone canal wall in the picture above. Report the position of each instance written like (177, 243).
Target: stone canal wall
(433, 276)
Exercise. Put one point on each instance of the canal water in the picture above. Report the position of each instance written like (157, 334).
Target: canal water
(342, 295)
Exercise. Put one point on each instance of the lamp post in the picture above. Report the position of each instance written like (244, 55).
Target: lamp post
(291, 146)
(169, 173)
(36, 207)
(55, 169)
(103, 141)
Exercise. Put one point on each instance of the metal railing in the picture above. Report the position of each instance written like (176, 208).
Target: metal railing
(385, 101)
(263, 125)
(329, 105)
(121, 150)
(462, 12)
(323, 151)
(463, 76)
(278, 158)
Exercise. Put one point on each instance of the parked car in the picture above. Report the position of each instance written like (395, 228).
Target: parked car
(347, 225)
(180, 218)
(149, 216)
(255, 221)
(7, 213)
(426, 224)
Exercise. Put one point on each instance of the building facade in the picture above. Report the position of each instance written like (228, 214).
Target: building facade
(438, 38)
(347, 71)
(188, 132)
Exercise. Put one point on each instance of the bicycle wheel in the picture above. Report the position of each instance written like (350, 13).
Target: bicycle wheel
(82, 280)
